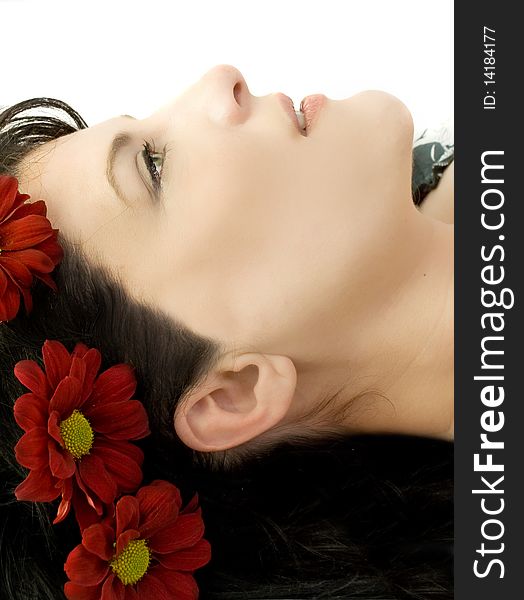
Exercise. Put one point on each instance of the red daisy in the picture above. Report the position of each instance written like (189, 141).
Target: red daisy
(78, 426)
(148, 549)
(28, 248)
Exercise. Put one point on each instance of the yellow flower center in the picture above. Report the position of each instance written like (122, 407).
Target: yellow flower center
(77, 434)
(132, 563)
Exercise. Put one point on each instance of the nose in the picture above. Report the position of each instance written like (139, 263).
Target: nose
(227, 98)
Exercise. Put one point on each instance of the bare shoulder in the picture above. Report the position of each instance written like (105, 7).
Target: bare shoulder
(440, 202)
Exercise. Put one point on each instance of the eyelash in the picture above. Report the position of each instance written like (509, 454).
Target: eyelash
(150, 165)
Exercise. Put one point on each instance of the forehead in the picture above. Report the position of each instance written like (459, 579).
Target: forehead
(69, 175)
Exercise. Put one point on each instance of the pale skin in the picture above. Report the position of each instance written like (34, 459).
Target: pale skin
(305, 256)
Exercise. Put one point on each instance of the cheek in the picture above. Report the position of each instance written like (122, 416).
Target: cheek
(221, 204)
(132, 246)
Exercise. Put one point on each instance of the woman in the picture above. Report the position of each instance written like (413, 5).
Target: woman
(279, 295)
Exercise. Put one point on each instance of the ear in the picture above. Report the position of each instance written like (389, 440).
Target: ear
(240, 399)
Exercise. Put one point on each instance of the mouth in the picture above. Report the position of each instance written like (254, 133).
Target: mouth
(301, 122)
(297, 117)
(311, 107)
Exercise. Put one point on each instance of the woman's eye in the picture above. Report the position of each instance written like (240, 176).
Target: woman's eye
(150, 156)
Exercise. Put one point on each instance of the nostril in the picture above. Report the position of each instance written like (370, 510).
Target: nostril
(236, 92)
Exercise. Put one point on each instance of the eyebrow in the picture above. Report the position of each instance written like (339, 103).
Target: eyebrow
(120, 141)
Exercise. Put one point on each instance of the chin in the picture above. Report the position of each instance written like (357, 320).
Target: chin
(383, 112)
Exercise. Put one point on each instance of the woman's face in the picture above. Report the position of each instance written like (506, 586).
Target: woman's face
(258, 230)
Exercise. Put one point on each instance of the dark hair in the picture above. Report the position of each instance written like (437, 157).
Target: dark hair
(339, 518)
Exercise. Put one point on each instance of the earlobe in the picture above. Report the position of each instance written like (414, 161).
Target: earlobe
(245, 396)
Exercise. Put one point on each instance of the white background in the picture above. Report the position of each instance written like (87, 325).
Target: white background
(114, 57)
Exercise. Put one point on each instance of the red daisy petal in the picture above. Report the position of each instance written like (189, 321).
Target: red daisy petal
(65, 504)
(79, 592)
(9, 301)
(124, 539)
(129, 450)
(116, 384)
(92, 360)
(9, 208)
(51, 247)
(98, 539)
(124, 470)
(152, 587)
(3, 281)
(158, 507)
(184, 533)
(20, 209)
(127, 514)
(47, 279)
(53, 427)
(191, 506)
(113, 589)
(94, 475)
(63, 510)
(92, 499)
(38, 486)
(26, 232)
(18, 272)
(67, 397)
(31, 375)
(131, 593)
(61, 462)
(81, 350)
(120, 420)
(31, 411)
(85, 514)
(57, 362)
(29, 248)
(181, 586)
(35, 260)
(31, 449)
(37, 207)
(8, 195)
(78, 371)
(85, 568)
(189, 559)
(162, 483)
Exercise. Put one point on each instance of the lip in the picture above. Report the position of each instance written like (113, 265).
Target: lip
(311, 107)
(289, 107)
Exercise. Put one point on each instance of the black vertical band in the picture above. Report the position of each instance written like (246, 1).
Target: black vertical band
(489, 271)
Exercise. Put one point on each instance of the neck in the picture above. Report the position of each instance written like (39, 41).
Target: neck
(396, 363)
(416, 358)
